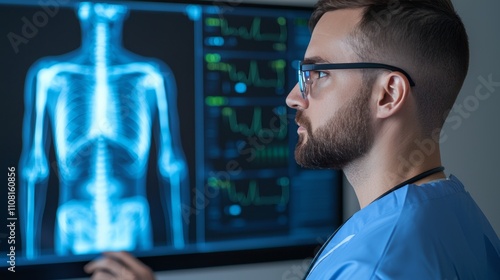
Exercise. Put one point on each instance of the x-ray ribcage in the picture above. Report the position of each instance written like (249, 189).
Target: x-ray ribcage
(100, 107)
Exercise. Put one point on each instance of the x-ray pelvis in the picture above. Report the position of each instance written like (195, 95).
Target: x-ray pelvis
(100, 108)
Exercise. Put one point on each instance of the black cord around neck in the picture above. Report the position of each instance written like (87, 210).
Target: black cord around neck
(412, 180)
(398, 186)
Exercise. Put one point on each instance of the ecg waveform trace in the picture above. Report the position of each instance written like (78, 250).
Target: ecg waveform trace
(246, 33)
(279, 132)
(251, 194)
(254, 136)
(245, 76)
(248, 206)
(254, 32)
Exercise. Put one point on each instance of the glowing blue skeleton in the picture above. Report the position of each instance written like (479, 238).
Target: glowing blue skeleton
(101, 103)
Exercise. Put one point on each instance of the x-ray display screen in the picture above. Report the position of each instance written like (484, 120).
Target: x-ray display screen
(156, 128)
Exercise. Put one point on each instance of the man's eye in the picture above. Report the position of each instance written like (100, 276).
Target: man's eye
(322, 74)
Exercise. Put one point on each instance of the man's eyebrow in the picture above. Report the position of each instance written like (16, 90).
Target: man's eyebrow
(314, 60)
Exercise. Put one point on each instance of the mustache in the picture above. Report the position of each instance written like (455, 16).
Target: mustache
(302, 120)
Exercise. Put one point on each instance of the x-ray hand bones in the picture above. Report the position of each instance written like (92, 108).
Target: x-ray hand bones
(100, 103)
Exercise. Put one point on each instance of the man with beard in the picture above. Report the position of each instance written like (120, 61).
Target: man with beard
(376, 83)
(359, 111)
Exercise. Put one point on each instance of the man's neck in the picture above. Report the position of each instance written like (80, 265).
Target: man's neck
(384, 167)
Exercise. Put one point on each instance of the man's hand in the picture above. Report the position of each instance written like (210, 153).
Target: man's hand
(118, 265)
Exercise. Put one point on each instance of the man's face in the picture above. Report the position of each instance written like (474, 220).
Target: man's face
(342, 139)
(334, 122)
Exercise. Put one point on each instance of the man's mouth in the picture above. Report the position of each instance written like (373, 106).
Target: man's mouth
(301, 128)
(301, 124)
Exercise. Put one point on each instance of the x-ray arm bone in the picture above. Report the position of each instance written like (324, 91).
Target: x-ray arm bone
(34, 161)
(36, 166)
(171, 162)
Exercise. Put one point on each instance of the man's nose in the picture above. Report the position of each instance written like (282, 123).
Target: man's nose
(294, 99)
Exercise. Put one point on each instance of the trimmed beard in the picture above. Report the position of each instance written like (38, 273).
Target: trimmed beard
(346, 136)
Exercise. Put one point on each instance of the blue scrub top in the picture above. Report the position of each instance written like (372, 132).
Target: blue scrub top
(431, 231)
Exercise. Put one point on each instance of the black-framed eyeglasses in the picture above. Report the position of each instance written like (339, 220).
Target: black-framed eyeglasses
(304, 72)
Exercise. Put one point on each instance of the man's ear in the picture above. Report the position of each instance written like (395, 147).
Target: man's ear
(392, 93)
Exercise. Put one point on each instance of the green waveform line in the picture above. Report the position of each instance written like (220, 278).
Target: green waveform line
(255, 128)
(272, 153)
(253, 76)
(252, 33)
(252, 196)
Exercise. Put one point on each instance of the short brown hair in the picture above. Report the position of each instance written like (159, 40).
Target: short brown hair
(425, 37)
